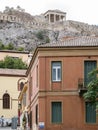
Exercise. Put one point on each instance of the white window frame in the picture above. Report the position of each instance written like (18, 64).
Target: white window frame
(57, 71)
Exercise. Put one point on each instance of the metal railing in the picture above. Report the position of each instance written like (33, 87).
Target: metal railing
(81, 84)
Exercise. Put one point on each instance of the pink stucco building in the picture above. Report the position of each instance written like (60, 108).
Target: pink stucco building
(57, 78)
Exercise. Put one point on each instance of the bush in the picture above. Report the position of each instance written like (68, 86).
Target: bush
(12, 63)
(40, 35)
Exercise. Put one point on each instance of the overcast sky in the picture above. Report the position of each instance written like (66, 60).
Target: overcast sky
(78, 10)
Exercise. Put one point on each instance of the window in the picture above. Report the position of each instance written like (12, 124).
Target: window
(56, 71)
(30, 121)
(90, 112)
(36, 114)
(6, 101)
(88, 67)
(37, 75)
(21, 86)
(56, 111)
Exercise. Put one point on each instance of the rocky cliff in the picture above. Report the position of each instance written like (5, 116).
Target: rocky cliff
(29, 36)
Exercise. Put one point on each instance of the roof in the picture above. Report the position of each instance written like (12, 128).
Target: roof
(82, 41)
(15, 51)
(12, 72)
(55, 11)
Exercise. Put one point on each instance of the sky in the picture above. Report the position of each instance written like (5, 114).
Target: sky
(77, 10)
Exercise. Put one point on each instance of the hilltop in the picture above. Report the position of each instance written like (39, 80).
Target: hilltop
(27, 31)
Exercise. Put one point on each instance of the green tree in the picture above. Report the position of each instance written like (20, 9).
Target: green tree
(1, 64)
(1, 46)
(12, 63)
(9, 62)
(92, 88)
(10, 46)
(40, 35)
(20, 49)
(18, 64)
(47, 40)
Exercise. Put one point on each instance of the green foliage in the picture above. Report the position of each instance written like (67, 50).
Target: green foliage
(12, 63)
(20, 49)
(10, 46)
(92, 88)
(9, 62)
(47, 40)
(1, 46)
(1, 64)
(40, 35)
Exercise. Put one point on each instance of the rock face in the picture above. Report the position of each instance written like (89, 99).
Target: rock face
(34, 30)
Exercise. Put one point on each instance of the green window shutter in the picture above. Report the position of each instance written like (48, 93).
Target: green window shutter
(88, 67)
(56, 112)
(90, 113)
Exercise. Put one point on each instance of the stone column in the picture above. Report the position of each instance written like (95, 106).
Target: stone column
(54, 18)
(49, 18)
(59, 17)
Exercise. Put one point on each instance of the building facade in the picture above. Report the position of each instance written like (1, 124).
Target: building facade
(9, 80)
(9, 91)
(57, 78)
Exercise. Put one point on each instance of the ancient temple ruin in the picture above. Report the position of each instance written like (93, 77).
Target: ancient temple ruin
(54, 16)
(8, 18)
(38, 21)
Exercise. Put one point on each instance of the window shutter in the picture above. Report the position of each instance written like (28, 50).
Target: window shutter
(90, 113)
(88, 67)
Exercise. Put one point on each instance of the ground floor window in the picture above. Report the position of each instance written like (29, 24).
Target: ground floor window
(36, 114)
(56, 112)
(90, 112)
(6, 101)
(30, 119)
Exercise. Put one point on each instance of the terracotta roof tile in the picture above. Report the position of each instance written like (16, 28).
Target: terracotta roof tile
(74, 42)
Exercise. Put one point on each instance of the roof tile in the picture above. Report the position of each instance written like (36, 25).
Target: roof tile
(74, 42)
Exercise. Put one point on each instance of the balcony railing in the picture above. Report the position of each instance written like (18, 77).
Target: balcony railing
(82, 86)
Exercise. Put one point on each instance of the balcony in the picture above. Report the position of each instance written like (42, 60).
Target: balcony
(81, 87)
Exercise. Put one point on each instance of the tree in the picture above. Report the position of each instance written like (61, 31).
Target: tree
(40, 35)
(9, 62)
(1, 46)
(12, 63)
(19, 64)
(10, 46)
(20, 49)
(92, 88)
(1, 64)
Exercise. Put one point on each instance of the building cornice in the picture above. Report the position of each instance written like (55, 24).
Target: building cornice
(63, 51)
